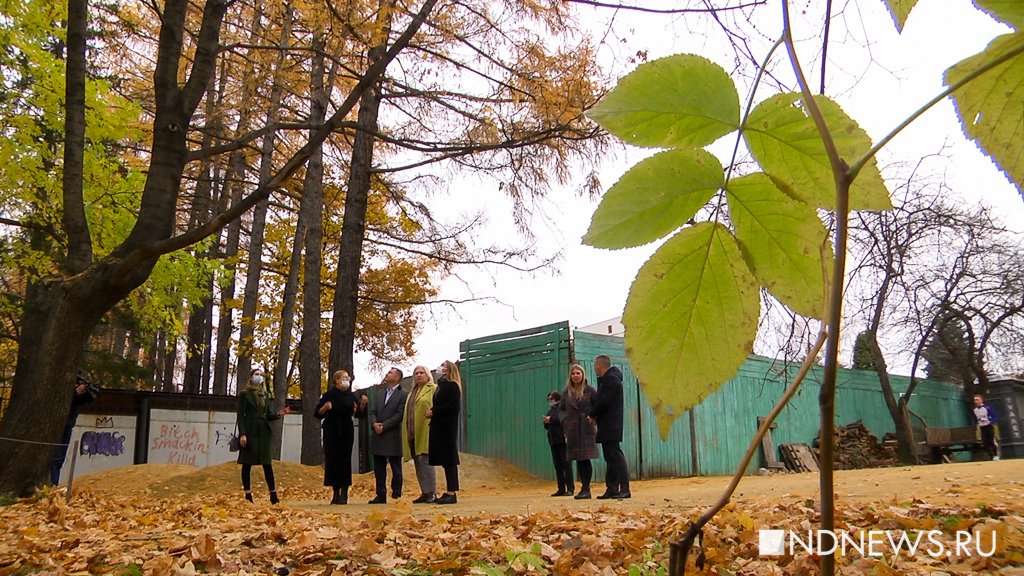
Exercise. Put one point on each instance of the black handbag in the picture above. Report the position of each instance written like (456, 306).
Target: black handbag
(234, 444)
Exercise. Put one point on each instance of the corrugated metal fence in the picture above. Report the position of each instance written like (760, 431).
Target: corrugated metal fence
(507, 378)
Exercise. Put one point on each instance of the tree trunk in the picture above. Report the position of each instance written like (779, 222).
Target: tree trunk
(61, 313)
(225, 326)
(59, 316)
(353, 230)
(311, 373)
(197, 345)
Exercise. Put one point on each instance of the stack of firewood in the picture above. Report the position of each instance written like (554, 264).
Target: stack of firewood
(856, 447)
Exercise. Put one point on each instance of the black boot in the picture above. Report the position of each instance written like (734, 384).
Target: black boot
(343, 495)
(273, 497)
(248, 495)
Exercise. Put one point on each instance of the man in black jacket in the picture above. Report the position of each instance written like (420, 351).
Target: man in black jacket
(607, 413)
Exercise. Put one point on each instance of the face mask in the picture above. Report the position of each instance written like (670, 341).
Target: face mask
(552, 403)
(257, 379)
(344, 383)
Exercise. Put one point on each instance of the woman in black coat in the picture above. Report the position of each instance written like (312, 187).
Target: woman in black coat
(336, 408)
(444, 429)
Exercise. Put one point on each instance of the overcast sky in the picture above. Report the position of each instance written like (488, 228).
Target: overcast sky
(878, 76)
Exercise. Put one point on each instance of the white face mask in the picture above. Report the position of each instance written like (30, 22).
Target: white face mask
(344, 383)
(257, 379)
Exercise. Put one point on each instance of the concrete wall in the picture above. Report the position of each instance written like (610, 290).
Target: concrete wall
(196, 438)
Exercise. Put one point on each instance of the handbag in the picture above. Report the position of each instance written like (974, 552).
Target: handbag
(234, 444)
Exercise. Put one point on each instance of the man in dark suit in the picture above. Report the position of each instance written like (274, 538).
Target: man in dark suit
(607, 414)
(386, 440)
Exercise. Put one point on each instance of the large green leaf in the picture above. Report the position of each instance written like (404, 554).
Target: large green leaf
(900, 9)
(1009, 11)
(679, 101)
(783, 138)
(785, 242)
(655, 197)
(990, 106)
(690, 319)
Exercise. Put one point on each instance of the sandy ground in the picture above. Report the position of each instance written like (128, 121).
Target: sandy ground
(496, 487)
(964, 483)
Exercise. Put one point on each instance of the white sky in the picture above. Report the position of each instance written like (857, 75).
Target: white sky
(878, 83)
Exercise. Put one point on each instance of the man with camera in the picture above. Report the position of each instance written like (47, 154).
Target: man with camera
(83, 393)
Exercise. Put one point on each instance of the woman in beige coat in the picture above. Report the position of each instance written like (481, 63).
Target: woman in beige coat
(416, 432)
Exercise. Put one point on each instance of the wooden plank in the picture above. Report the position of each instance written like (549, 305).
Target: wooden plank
(768, 447)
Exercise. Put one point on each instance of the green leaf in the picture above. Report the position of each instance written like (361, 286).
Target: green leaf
(900, 9)
(690, 319)
(1009, 11)
(784, 241)
(989, 106)
(680, 101)
(655, 197)
(783, 138)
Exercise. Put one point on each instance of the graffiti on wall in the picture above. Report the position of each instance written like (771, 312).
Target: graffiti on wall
(222, 437)
(182, 445)
(102, 444)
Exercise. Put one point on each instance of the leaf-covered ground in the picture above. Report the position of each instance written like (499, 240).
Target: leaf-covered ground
(163, 519)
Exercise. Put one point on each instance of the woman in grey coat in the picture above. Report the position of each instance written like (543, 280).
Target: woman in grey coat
(580, 445)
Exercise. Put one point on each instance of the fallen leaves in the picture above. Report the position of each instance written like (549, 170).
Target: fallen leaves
(165, 533)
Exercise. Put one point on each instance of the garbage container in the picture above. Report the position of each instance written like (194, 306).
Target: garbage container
(1006, 397)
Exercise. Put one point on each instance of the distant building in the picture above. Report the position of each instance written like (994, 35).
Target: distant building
(610, 327)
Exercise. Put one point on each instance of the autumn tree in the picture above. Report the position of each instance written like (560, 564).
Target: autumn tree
(929, 274)
(63, 306)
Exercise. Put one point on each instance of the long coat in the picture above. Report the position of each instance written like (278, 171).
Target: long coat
(254, 418)
(338, 434)
(389, 413)
(607, 408)
(579, 432)
(444, 424)
(421, 402)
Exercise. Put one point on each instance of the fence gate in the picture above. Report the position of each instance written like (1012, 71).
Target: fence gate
(506, 380)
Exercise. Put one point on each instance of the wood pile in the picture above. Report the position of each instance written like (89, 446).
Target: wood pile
(856, 447)
(799, 457)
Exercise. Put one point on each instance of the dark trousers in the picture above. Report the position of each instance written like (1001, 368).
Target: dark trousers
(563, 473)
(988, 440)
(451, 477)
(268, 473)
(617, 474)
(60, 453)
(585, 470)
(380, 474)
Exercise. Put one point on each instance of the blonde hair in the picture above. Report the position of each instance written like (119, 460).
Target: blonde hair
(430, 375)
(453, 372)
(570, 388)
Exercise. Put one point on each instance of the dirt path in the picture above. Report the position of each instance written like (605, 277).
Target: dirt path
(999, 483)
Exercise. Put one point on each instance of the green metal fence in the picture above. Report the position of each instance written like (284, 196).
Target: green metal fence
(507, 378)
